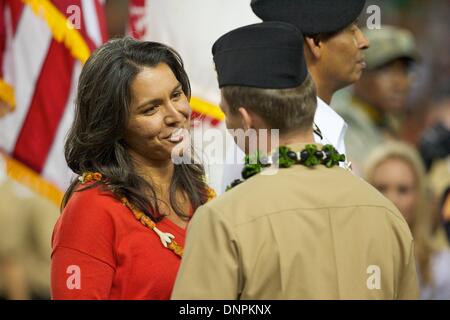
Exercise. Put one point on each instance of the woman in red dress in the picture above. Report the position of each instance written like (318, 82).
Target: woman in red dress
(122, 229)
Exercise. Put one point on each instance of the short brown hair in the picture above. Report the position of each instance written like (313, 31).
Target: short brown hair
(284, 109)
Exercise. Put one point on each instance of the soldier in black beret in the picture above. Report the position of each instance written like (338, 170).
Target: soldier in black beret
(312, 230)
(334, 42)
(334, 52)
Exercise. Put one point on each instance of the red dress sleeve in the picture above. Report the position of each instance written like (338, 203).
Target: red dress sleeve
(83, 255)
(77, 275)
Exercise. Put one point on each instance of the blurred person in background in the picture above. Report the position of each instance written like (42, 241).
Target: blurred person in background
(116, 15)
(12, 273)
(41, 215)
(380, 95)
(434, 144)
(434, 147)
(444, 210)
(13, 283)
(397, 171)
(26, 222)
(429, 23)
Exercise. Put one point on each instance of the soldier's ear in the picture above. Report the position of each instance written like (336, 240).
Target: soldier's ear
(312, 48)
(246, 118)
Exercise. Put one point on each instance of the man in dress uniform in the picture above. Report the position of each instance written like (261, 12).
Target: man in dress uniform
(312, 230)
(334, 47)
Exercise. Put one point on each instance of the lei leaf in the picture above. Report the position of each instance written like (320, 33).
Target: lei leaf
(283, 160)
(309, 157)
(312, 159)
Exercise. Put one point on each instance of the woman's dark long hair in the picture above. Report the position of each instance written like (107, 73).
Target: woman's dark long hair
(95, 142)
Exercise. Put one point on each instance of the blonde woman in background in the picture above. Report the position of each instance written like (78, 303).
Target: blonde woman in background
(397, 171)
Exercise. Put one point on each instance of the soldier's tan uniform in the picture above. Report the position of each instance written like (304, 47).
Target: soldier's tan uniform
(300, 234)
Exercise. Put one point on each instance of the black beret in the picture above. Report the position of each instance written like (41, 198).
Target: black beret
(265, 55)
(310, 16)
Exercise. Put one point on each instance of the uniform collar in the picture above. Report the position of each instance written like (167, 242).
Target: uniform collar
(389, 124)
(331, 125)
(372, 113)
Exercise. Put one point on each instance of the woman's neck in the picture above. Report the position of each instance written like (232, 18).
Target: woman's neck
(158, 173)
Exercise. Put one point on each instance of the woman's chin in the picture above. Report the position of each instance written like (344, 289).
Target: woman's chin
(178, 150)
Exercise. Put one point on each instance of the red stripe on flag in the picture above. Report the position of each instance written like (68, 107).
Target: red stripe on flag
(47, 107)
(63, 7)
(202, 117)
(136, 17)
(16, 7)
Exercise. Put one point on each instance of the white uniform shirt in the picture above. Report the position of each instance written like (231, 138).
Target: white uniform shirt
(332, 128)
(331, 125)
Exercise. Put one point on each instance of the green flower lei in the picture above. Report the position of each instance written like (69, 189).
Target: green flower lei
(285, 158)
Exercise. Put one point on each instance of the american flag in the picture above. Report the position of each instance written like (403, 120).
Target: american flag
(43, 45)
(41, 56)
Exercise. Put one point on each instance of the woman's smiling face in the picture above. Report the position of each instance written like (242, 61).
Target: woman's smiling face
(159, 111)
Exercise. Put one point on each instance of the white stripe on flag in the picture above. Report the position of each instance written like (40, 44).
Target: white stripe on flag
(8, 58)
(29, 50)
(55, 168)
(91, 21)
